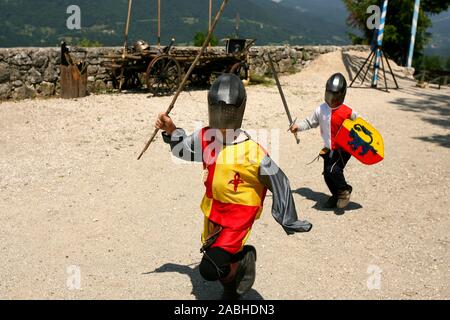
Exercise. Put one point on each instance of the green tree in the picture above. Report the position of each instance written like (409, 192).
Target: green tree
(397, 33)
(447, 64)
(432, 63)
(88, 43)
(200, 38)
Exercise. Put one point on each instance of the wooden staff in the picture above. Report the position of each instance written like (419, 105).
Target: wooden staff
(188, 74)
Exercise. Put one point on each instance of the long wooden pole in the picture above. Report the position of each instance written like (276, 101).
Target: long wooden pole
(188, 74)
(127, 26)
(238, 21)
(159, 23)
(210, 17)
(125, 45)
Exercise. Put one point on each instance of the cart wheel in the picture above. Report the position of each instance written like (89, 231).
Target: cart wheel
(240, 69)
(163, 75)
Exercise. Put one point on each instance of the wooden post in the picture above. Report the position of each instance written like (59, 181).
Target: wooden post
(127, 25)
(209, 21)
(238, 21)
(159, 23)
(125, 45)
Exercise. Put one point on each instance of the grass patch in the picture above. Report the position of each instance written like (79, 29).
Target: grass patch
(262, 80)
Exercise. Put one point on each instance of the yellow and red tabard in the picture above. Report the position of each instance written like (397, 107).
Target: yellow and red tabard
(234, 195)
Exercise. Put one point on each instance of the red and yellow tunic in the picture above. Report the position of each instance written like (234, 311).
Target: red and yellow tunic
(236, 177)
(234, 195)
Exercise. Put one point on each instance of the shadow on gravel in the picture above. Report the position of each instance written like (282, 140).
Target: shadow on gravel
(433, 108)
(201, 289)
(354, 63)
(320, 198)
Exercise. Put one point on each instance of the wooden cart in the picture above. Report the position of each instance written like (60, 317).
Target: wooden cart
(161, 71)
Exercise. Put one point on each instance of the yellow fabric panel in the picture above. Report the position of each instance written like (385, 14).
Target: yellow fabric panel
(207, 229)
(238, 166)
(206, 205)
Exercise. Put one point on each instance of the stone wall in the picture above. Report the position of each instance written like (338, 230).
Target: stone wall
(291, 59)
(34, 72)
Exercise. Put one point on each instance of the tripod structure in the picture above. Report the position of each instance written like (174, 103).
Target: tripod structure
(373, 54)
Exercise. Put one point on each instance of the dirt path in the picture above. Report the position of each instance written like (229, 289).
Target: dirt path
(72, 194)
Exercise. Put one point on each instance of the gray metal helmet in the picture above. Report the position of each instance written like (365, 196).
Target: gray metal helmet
(226, 102)
(141, 45)
(336, 90)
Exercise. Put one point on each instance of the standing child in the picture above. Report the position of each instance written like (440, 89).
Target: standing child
(330, 116)
(237, 173)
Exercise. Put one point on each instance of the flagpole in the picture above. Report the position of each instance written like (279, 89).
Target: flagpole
(413, 33)
(379, 44)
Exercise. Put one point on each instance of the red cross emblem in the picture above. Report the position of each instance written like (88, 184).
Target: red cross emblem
(236, 181)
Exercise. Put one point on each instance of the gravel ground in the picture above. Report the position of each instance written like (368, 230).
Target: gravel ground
(74, 199)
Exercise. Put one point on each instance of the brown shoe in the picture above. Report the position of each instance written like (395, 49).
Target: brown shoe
(343, 199)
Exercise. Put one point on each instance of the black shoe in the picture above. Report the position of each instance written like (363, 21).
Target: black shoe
(229, 291)
(246, 272)
(331, 202)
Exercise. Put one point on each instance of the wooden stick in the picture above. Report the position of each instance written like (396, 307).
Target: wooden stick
(188, 74)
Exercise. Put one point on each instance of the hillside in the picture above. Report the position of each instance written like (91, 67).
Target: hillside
(270, 21)
(440, 45)
(103, 21)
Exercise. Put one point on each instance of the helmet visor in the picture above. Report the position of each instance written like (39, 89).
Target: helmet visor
(333, 99)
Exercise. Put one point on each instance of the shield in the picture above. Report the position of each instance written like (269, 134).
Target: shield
(361, 140)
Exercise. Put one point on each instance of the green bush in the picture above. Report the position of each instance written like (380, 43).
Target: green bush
(89, 43)
(200, 38)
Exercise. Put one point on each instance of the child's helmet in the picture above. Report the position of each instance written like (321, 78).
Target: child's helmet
(226, 102)
(336, 89)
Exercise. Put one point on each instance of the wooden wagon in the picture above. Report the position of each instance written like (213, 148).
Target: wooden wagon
(160, 70)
